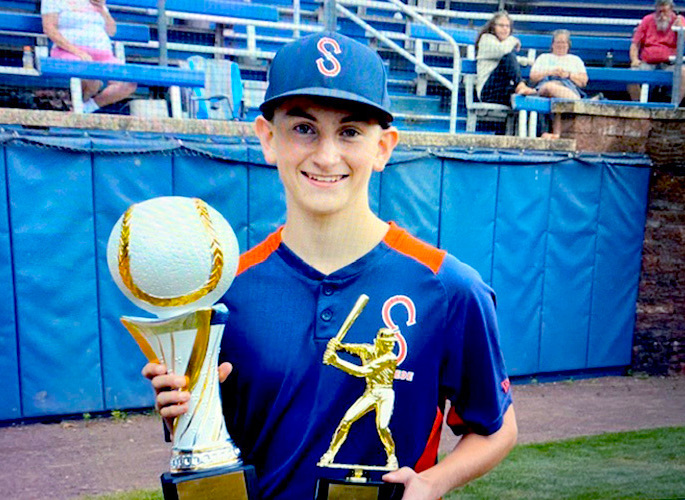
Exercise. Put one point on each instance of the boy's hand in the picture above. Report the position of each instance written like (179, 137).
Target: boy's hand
(171, 400)
(416, 487)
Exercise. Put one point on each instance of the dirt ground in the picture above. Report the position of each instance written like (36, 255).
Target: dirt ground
(76, 458)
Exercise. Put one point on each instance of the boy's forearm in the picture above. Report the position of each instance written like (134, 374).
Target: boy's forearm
(473, 456)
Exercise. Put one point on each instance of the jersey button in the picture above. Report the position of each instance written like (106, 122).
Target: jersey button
(327, 290)
(326, 315)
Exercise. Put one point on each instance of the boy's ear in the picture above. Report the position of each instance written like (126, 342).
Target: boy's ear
(386, 145)
(264, 130)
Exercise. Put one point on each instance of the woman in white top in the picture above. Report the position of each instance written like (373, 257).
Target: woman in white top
(559, 74)
(80, 31)
(498, 74)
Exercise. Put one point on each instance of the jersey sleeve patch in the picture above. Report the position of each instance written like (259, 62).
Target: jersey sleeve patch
(258, 254)
(429, 456)
(414, 248)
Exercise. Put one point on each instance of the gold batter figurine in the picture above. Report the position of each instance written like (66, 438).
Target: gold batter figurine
(378, 368)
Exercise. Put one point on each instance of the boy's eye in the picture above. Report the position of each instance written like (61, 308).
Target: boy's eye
(350, 132)
(303, 128)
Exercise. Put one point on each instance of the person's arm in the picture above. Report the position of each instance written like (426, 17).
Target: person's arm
(634, 55)
(636, 43)
(538, 71)
(578, 73)
(473, 456)
(50, 23)
(490, 47)
(110, 23)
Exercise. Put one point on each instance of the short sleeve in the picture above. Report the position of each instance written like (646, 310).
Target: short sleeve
(49, 6)
(640, 32)
(474, 377)
(578, 65)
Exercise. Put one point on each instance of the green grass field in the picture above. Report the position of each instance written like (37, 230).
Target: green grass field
(646, 464)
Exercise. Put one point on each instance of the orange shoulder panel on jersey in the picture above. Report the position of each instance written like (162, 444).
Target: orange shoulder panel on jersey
(261, 252)
(418, 250)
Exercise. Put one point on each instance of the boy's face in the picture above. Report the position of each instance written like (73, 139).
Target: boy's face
(325, 155)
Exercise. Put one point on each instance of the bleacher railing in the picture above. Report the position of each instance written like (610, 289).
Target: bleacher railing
(452, 86)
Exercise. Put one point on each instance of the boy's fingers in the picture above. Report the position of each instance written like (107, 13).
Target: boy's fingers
(168, 382)
(225, 370)
(169, 398)
(173, 411)
(151, 370)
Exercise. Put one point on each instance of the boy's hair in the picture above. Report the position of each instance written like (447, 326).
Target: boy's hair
(344, 73)
(364, 112)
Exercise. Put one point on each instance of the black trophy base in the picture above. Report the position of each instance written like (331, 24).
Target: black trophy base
(229, 483)
(338, 489)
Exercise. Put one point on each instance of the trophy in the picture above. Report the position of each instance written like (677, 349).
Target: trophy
(378, 364)
(175, 257)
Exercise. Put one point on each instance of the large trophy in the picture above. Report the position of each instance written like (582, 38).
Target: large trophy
(175, 257)
(378, 364)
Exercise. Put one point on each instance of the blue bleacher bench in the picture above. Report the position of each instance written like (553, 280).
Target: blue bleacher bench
(163, 76)
(535, 105)
(33, 24)
(208, 7)
(588, 48)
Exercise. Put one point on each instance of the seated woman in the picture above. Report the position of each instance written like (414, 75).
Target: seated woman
(559, 74)
(498, 74)
(80, 31)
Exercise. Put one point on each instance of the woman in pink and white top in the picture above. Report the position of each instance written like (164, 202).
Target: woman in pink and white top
(81, 30)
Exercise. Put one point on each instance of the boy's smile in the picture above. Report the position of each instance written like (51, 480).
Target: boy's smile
(325, 155)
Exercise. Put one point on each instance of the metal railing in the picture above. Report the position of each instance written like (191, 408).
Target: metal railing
(452, 86)
(678, 69)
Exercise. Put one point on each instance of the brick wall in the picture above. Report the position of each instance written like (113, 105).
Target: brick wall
(659, 342)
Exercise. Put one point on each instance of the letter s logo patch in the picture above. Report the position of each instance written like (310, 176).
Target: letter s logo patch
(328, 65)
(410, 308)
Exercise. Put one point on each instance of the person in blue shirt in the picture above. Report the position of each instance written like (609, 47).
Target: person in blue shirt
(326, 125)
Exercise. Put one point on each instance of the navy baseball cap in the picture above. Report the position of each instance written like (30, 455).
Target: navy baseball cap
(331, 65)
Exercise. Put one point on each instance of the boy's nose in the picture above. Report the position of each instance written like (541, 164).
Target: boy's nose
(327, 153)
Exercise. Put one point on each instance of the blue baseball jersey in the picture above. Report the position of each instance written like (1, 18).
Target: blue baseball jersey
(282, 404)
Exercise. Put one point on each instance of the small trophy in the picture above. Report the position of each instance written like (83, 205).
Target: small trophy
(378, 364)
(175, 257)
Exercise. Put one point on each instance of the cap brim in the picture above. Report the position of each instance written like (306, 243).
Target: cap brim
(271, 103)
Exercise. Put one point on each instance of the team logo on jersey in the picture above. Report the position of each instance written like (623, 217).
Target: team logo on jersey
(410, 310)
(328, 65)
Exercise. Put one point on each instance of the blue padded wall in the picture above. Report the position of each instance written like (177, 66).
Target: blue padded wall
(9, 356)
(557, 235)
(53, 249)
(119, 181)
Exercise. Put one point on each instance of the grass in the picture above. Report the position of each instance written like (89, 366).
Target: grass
(648, 464)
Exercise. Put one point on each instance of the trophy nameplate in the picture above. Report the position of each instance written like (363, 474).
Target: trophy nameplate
(379, 363)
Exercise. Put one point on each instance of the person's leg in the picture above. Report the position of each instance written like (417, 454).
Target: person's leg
(359, 408)
(90, 88)
(114, 92)
(504, 81)
(682, 85)
(555, 89)
(635, 89)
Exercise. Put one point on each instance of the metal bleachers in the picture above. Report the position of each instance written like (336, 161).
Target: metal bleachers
(250, 32)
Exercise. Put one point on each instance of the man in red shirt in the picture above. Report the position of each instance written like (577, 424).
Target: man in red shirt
(654, 42)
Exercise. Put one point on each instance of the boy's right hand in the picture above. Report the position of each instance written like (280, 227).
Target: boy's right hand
(170, 399)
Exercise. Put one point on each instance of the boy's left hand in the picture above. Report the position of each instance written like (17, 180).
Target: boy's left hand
(415, 486)
(99, 4)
